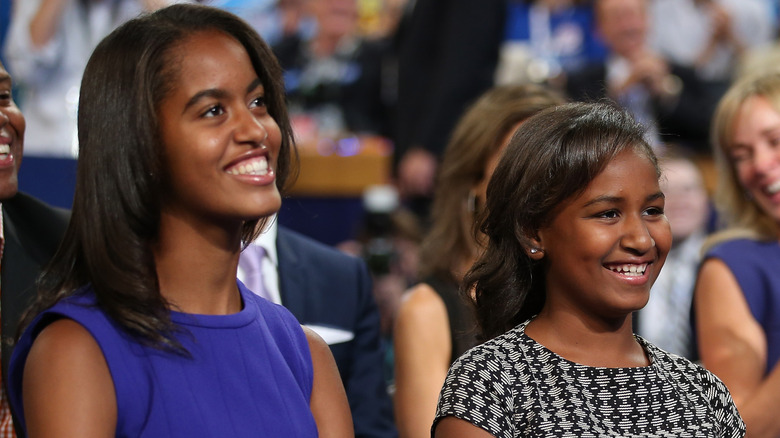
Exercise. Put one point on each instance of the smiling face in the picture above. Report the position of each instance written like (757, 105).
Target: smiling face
(755, 153)
(604, 248)
(220, 143)
(12, 126)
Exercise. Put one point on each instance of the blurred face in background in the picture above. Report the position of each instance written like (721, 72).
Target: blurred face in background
(687, 202)
(335, 18)
(623, 25)
(12, 126)
(755, 153)
(480, 189)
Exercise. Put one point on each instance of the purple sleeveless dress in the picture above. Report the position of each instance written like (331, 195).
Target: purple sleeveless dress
(250, 373)
(756, 266)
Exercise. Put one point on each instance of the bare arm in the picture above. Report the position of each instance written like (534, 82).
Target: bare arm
(67, 388)
(422, 348)
(46, 21)
(732, 345)
(455, 427)
(328, 399)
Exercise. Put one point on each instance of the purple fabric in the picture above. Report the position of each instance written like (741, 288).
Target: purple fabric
(755, 266)
(250, 373)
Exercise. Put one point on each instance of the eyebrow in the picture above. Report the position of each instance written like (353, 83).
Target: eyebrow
(218, 93)
(616, 199)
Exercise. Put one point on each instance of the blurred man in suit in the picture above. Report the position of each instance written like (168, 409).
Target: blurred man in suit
(29, 234)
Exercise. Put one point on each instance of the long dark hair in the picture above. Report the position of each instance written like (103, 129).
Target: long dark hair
(553, 156)
(116, 208)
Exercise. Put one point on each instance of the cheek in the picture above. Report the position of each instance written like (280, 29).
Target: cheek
(274, 133)
(744, 174)
(661, 233)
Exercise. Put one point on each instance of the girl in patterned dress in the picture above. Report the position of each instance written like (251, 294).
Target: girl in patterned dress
(576, 237)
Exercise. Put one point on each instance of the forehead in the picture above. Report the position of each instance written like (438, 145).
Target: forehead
(209, 54)
(609, 7)
(631, 171)
(755, 114)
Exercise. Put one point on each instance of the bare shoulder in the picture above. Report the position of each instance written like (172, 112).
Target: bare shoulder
(67, 387)
(422, 304)
(65, 342)
(318, 347)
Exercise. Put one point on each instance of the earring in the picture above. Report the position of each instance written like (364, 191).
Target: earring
(534, 250)
(471, 202)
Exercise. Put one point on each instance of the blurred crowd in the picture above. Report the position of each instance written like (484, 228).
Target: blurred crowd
(447, 82)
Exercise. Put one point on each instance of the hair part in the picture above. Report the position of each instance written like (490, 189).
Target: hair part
(117, 203)
(551, 158)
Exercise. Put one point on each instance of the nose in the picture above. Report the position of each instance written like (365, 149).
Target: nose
(249, 129)
(636, 236)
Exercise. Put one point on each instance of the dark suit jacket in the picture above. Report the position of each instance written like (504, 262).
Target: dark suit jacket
(687, 122)
(32, 232)
(324, 287)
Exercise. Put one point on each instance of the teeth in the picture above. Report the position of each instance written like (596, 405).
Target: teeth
(773, 188)
(5, 149)
(629, 269)
(255, 167)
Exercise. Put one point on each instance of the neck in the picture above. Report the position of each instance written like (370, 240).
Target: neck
(196, 266)
(593, 341)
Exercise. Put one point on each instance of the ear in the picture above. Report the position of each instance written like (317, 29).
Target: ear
(534, 246)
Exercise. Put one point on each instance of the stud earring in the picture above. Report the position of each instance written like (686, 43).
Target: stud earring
(471, 202)
(534, 250)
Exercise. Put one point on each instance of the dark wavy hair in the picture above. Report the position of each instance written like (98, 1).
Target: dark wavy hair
(116, 208)
(551, 158)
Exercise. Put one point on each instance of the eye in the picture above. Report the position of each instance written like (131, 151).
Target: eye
(258, 102)
(654, 211)
(214, 111)
(739, 155)
(609, 214)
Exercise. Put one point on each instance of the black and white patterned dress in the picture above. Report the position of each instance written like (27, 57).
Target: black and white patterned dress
(512, 386)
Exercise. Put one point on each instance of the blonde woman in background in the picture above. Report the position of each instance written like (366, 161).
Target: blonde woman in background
(737, 297)
(434, 325)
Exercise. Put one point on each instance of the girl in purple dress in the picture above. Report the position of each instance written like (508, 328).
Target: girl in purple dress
(141, 328)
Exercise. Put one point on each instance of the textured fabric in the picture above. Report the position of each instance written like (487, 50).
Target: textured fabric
(754, 265)
(512, 386)
(250, 373)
